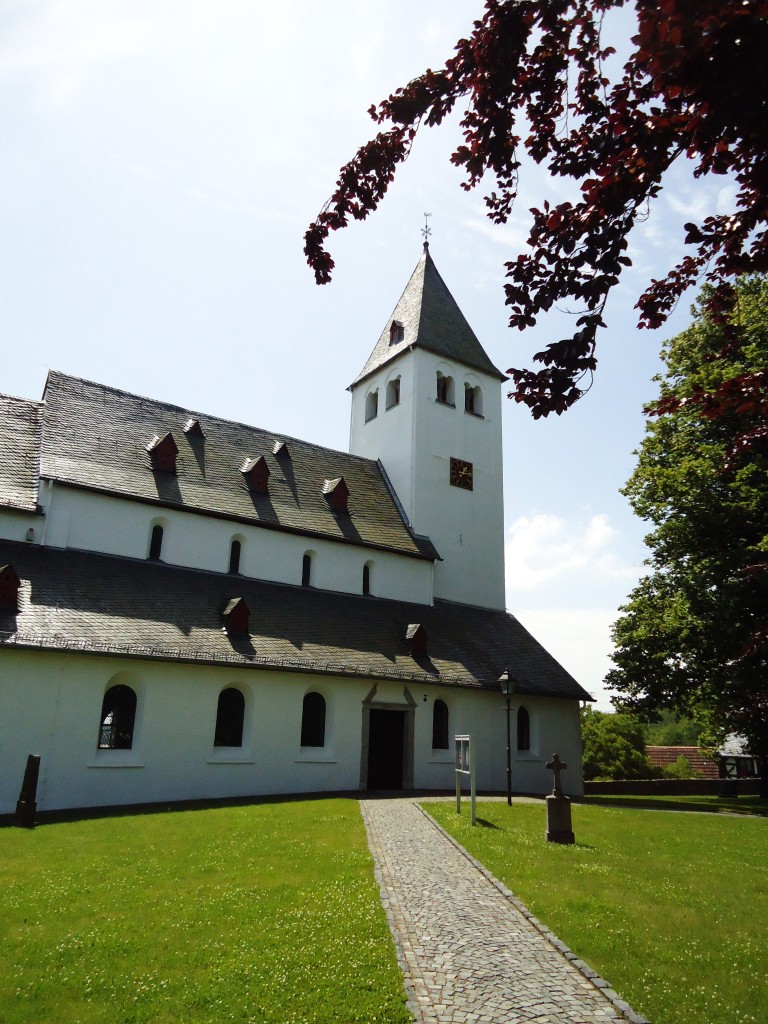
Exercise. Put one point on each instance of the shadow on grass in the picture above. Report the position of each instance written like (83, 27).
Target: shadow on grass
(714, 805)
(484, 823)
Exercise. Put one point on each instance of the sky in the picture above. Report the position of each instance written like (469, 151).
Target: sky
(160, 161)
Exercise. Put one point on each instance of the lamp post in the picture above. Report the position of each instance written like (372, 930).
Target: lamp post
(507, 685)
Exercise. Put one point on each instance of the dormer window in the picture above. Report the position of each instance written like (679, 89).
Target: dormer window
(163, 452)
(256, 473)
(336, 494)
(236, 616)
(396, 332)
(416, 636)
(371, 405)
(9, 588)
(281, 450)
(444, 391)
(193, 429)
(393, 392)
(473, 400)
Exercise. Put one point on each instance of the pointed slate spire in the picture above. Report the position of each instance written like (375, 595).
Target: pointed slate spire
(427, 316)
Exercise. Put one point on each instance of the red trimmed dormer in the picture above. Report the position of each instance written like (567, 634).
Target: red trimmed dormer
(9, 588)
(416, 636)
(236, 616)
(256, 473)
(336, 493)
(281, 450)
(163, 452)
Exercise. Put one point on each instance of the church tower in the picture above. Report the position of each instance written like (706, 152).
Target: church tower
(427, 404)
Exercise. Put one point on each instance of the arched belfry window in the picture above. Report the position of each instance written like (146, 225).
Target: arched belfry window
(313, 720)
(473, 400)
(393, 392)
(156, 542)
(371, 405)
(523, 729)
(230, 714)
(444, 392)
(440, 725)
(235, 550)
(118, 716)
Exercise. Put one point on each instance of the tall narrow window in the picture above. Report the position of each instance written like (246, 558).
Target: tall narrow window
(156, 542)
(234, 556)
(473, 400)
(367, 579)
(440, 725)
(313, 720)
(306, 570)
(523, 729)
(118, 715)
(230, 715)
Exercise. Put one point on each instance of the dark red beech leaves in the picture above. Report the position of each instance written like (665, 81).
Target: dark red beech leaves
(531, 77)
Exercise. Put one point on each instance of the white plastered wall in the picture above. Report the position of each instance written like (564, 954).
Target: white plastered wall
(50, 704)
(96, 522)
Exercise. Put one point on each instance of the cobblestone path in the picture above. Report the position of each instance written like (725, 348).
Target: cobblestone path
(468, 954)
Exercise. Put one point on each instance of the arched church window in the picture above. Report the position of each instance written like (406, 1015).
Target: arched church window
(230, 714)
(155, 542)
(393, 392)
(306, 570)
(371, 405)
(367, 578)
(313, 720)
(235, 550)
(118, 716)
(444, 393)
(440, 725)
(523, 729)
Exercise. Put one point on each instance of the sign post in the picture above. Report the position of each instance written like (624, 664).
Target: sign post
(465, 765)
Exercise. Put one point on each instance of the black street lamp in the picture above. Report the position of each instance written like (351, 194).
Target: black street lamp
(507, 684)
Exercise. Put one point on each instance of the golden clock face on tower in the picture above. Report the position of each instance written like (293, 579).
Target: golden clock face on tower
(461, 474)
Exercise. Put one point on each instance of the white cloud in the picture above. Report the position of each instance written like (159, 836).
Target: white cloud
(543, 547)
(580, 639)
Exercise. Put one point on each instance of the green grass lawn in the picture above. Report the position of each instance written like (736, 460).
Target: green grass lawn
(264, 913)
(672, 909)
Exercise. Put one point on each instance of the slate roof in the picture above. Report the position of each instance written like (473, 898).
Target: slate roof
(432, 320)
(96, 437)
(79, 601)
(20, 422)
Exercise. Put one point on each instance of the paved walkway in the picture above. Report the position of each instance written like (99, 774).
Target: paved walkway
(468, 952)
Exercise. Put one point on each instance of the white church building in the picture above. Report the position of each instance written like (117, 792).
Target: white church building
(192, 608)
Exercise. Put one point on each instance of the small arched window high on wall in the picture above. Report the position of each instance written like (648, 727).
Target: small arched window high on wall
(440, 725)
(155, 542)
(235, 549)
(118, 716)
(367, 579)
(444, 392)
(523, 729)
(313, 720)
(306, 570)
(230, 715)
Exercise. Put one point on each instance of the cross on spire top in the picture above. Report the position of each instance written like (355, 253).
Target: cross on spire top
(426, 231)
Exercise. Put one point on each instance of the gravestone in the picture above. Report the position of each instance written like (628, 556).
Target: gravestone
(559, 829)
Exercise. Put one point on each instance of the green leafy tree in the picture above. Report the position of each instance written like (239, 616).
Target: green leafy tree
(672, 731)
(612, 746)
(693, 636)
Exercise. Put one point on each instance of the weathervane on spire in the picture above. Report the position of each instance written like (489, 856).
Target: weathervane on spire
(426, 231)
